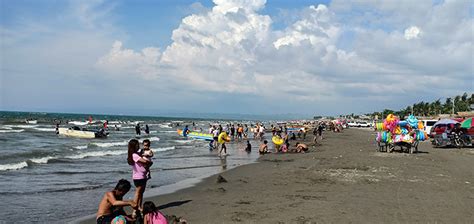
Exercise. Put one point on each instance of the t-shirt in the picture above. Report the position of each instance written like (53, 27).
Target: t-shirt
(138, 170)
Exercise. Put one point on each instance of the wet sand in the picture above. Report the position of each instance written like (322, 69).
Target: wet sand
(344, 180)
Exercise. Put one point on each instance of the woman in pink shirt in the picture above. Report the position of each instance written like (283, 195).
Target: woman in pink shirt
(139, 170)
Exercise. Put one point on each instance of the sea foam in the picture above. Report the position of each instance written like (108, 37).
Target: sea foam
(13, 166)
(12, 131)
(109, 144)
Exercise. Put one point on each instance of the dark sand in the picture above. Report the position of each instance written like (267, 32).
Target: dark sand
(342, 181)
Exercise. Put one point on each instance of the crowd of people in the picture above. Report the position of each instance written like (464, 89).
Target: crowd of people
(111, 206)
(240, 132)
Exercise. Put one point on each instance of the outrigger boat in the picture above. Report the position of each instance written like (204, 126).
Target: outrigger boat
(84, 133)
(28, 121)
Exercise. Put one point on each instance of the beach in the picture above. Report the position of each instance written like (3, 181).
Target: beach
(343, 180)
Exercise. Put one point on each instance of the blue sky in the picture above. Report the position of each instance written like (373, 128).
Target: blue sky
(236, 56)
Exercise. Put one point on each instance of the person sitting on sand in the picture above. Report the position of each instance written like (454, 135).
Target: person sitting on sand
(301, 148)
(151, 215)
(263, 148)
(111, 205)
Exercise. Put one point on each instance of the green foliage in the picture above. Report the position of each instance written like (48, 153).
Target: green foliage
(461, 103)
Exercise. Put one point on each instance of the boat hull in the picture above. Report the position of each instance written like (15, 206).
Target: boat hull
(76, 133)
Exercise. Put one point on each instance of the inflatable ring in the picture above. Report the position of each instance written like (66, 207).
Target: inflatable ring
(379, 137)
(277, 140)
(420, 125)
(412, 121)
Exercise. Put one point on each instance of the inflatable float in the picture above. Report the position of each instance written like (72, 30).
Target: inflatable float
(277, 140)
(197, 135)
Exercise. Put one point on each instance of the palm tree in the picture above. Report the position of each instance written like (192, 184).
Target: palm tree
(437, 106)
(464, 97)
(426, 109)
(457, 101)
(448, 105)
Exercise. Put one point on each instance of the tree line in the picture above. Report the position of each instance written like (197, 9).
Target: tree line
(425, 109)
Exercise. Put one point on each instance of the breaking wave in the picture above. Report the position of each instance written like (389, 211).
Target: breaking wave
(109, 144)
(12, 131)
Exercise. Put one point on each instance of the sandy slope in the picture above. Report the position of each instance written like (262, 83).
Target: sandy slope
(342, 181)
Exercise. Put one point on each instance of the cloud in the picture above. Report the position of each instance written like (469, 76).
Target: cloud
(316, 27)
(232, 48)
(126, 61)
(412, 33)
(356, 55)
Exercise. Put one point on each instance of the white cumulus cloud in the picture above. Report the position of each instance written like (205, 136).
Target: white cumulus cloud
(127, 61)
(412, 32)
(233, 48)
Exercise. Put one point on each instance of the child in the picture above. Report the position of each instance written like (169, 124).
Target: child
(151, 214)
(284, 147)
(249, 147)
(263, 148)
(148, 155)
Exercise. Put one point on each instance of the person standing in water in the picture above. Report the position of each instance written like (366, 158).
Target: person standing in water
(248, 148)
(147, 129)
(185, 131)
(137, 129)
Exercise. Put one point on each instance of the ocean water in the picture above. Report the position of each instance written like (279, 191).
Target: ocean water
(54, 179)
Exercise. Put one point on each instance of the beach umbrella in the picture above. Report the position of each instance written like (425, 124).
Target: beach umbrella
(445, 121)
(467, 123)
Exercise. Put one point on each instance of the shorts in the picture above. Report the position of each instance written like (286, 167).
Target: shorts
(104, 219)
(140, 183)
(215, 138)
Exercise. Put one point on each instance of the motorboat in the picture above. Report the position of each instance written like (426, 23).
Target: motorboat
(28, 121)
(82, 133)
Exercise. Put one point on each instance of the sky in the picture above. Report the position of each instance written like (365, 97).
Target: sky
(260, 57)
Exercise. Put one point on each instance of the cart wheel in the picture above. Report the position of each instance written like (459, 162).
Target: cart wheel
(390, 148)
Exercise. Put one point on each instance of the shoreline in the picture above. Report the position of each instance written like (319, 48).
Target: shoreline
(155, 192)
(343, 180)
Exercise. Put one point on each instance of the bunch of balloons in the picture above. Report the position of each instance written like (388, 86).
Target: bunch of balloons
(392, 129)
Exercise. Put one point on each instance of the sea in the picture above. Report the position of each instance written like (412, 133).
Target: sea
(48, 178)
